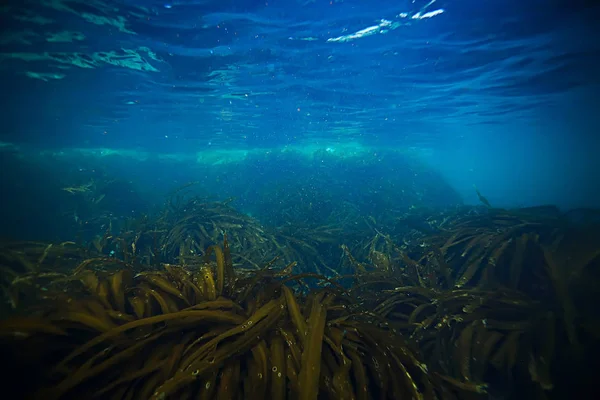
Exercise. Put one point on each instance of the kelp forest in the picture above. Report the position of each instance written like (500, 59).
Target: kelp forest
(196, 299)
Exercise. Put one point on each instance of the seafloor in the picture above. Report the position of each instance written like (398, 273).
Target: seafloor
(199, 300)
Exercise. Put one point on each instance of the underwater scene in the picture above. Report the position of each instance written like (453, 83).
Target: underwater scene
(300, 199)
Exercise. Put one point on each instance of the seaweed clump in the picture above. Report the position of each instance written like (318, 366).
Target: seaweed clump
(494, 298)
(187, 225)
(208, 330)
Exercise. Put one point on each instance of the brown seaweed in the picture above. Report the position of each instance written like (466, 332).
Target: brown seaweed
(119, 321)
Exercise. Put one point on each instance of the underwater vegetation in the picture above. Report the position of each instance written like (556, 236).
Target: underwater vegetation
(201, 301)
(283, 190)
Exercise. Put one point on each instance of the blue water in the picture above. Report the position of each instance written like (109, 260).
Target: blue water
(500, 94)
